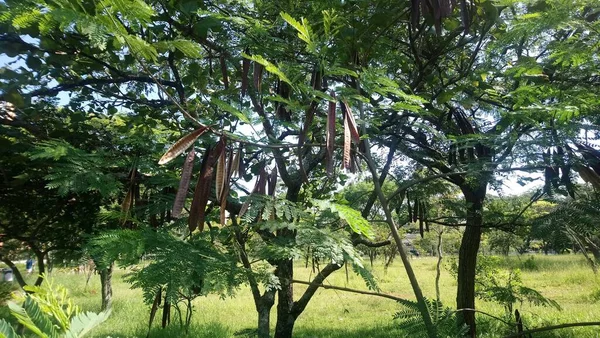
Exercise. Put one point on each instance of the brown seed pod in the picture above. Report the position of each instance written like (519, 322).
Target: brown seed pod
(224, 71)
(184, 183)
(330, 141)
(245, 70)
(181, 145)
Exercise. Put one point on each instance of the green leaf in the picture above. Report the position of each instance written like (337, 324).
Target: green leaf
(230, 109)
(188, 48)
(367, 276)
(6, 331)
(302, 28)
(271, 68)
(353, 217)
(83, 323)
(26, 319)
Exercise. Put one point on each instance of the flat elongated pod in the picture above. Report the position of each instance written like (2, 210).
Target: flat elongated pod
(224, 71)
(184, 183)
(410, 211)
(201, 193)
(272, 182)
(181, 145)
(235, 163)
(259, 188)
(225, 191)
(416, 211)
(245, 70)
(203, 186)
(221, 173)
(330, 142)
(351, 123)
(257, 76)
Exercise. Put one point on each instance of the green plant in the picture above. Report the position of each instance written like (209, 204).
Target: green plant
(47, 312)
(6, 290)
(504, 287)
(444, 318)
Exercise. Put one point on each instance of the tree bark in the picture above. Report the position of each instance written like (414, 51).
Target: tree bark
(285, 299)
(41, 266)
(15, 270)
(264, 313)
(106, 281)
(467, 257)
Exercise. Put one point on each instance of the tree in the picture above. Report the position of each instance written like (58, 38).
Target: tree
(467, 98)
(35, 218)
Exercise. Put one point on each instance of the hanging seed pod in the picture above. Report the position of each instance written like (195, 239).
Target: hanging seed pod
(416, 211)
(425, 216)
(224, 71)
(245, 70)
(421, 212)
(330, 141)
(351, 123)
(410, 211)
(221, 173)
(259, 188)
(235, 164)
(184, 184)
(225, 191)
(203, 186)
(201, 193)
(257, 76)
(181, 145)
(272, 182)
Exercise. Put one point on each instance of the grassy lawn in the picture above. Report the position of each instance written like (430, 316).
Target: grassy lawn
(331, 313)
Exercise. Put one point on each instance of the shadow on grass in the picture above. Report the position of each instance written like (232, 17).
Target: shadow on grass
(209, 330)
(372, 332)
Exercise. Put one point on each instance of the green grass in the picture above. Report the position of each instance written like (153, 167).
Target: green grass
(333, 314)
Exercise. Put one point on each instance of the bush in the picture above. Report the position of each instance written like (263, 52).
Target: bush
(48, 312)
(6, 290)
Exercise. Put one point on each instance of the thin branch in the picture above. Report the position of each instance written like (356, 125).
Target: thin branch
(313, 286)
(552, 327)
(377, 294)
(93, 81)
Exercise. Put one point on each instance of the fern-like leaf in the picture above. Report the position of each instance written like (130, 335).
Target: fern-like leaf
(84, 322)
(6, 331)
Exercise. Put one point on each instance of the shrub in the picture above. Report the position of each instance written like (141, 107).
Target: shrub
(48, 312)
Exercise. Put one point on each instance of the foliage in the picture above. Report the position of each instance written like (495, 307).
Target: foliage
(208, 266)
(575, 220)
(444, 318)
(504, 287)
(47, 311)
(6, 290)
(466, 99)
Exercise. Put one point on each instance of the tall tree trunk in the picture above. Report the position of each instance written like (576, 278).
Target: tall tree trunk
(41, 266)
(106, 281)
(264, 313)
(467, 256)
(285, 299)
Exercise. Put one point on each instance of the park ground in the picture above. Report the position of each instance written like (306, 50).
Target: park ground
(338, 314)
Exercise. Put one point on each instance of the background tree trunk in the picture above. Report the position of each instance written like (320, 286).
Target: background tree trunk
(106, 281)
(39, 255)
(467, 256)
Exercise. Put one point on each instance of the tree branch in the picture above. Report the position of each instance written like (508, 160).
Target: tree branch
(383, 295)
(92, 81)
(313, 286)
